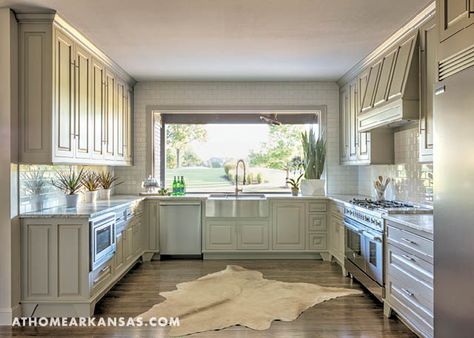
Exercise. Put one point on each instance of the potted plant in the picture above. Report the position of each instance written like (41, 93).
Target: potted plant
(295, 185)
(90, 182)
(34, 185)
(70, 183)
(314, 151)
(107, 180)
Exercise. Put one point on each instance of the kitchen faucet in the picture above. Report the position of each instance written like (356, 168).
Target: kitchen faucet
(237, 176)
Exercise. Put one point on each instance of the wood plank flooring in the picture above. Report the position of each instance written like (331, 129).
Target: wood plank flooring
(353, 316)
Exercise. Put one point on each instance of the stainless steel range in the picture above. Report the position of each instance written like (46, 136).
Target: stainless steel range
(364, 231)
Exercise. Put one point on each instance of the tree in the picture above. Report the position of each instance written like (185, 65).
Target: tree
(178, 136)
(283, 144)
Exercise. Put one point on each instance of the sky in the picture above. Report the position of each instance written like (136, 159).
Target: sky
(231, 140)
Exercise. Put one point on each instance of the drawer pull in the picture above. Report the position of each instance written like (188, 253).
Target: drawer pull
(408, 293)
(409, 241)
(409, 258)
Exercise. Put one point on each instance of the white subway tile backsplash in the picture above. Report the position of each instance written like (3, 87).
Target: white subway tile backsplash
(341, 179)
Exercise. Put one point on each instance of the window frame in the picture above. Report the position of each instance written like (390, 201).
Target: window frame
(228, 115)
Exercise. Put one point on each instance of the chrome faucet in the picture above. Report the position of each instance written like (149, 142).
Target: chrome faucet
(237, 190)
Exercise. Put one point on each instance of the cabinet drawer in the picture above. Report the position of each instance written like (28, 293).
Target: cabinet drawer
(407, 307)
(317, 222)
(413, 244)
(317, 206)
(317, 242)
(398, 259)
(100, 277)
(416, 294)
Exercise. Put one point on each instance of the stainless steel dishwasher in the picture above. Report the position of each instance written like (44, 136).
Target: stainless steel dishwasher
(180, 228)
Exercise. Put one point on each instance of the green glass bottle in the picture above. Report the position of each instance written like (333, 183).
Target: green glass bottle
(183, 186)
(174, 187)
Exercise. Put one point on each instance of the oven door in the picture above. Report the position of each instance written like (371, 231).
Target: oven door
(373, 255)
(355, 243)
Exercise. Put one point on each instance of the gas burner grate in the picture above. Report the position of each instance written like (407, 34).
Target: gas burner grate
(384, 204)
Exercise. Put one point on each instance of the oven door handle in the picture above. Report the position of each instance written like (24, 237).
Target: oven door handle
(353, 228)
(372, 237)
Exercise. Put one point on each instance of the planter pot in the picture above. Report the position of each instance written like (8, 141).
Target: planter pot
(295, 191)
(313, 187)
(91, 196)
(36, 203)
(72, 200)
(104, 194)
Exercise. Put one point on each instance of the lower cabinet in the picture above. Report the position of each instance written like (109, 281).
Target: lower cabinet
(228, 235)
(336, 233)
(289, 229)
(119, 253)
(409, 278)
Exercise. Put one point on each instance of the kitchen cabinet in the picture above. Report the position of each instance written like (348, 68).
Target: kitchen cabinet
(428, 78)
(119, 253)
(252, 235)
(409, 277)
(336, 233)
(454, 16)
(220, 235)
(361, 148)
(75, 103)
(289, 228)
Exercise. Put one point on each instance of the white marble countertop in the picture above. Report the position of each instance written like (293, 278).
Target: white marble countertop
(85, 210)
(90, 210)
(421, 222)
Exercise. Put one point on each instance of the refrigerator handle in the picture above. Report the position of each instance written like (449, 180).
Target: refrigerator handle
(440, 89)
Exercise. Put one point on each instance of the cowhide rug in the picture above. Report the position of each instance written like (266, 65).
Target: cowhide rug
(237, 296)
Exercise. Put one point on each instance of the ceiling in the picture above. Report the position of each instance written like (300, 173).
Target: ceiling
(234, 39)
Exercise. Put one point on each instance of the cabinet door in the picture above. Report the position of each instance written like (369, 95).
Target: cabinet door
(83, 103)
(109, 116)
(128, 138)
(119, 119)
(98, 109)
(368, 98)
(454, 15)
(252, 235)
(288, 226)
(354, 134)
(136, 246)
(428, 72)
(345, 124)
(220, 235)
(128, 244)
(119, 253)
(64, 95)
(400, 70)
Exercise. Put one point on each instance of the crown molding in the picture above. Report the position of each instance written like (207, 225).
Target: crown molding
(422, 17)
(53, 18)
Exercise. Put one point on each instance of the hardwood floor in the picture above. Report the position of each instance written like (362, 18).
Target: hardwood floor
(353, 316)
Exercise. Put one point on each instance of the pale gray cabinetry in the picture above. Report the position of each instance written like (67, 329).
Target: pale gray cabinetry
(75, 103)
(317, 226)
(289, 221)
(428, 78)
(336, 232)
(454, 16)
(409, 277)
(230, 235)
(56, 277)
(361, 148)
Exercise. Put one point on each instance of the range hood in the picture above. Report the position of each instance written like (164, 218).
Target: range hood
(390, 88)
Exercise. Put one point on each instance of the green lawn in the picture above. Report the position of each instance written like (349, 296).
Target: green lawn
(201, 179)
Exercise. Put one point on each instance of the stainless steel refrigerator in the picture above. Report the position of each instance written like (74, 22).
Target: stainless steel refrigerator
(454, 206)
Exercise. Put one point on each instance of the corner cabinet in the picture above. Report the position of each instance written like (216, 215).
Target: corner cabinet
(75, 103)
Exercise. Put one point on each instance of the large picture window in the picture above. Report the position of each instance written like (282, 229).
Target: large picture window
(204, 150)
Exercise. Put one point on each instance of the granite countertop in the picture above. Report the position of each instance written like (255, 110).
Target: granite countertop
(91, 210)
(85, 210)
(421, 222)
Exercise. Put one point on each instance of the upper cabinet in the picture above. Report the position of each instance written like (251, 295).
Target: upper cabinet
(428, 75)
(456, 36)
(75, 103)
